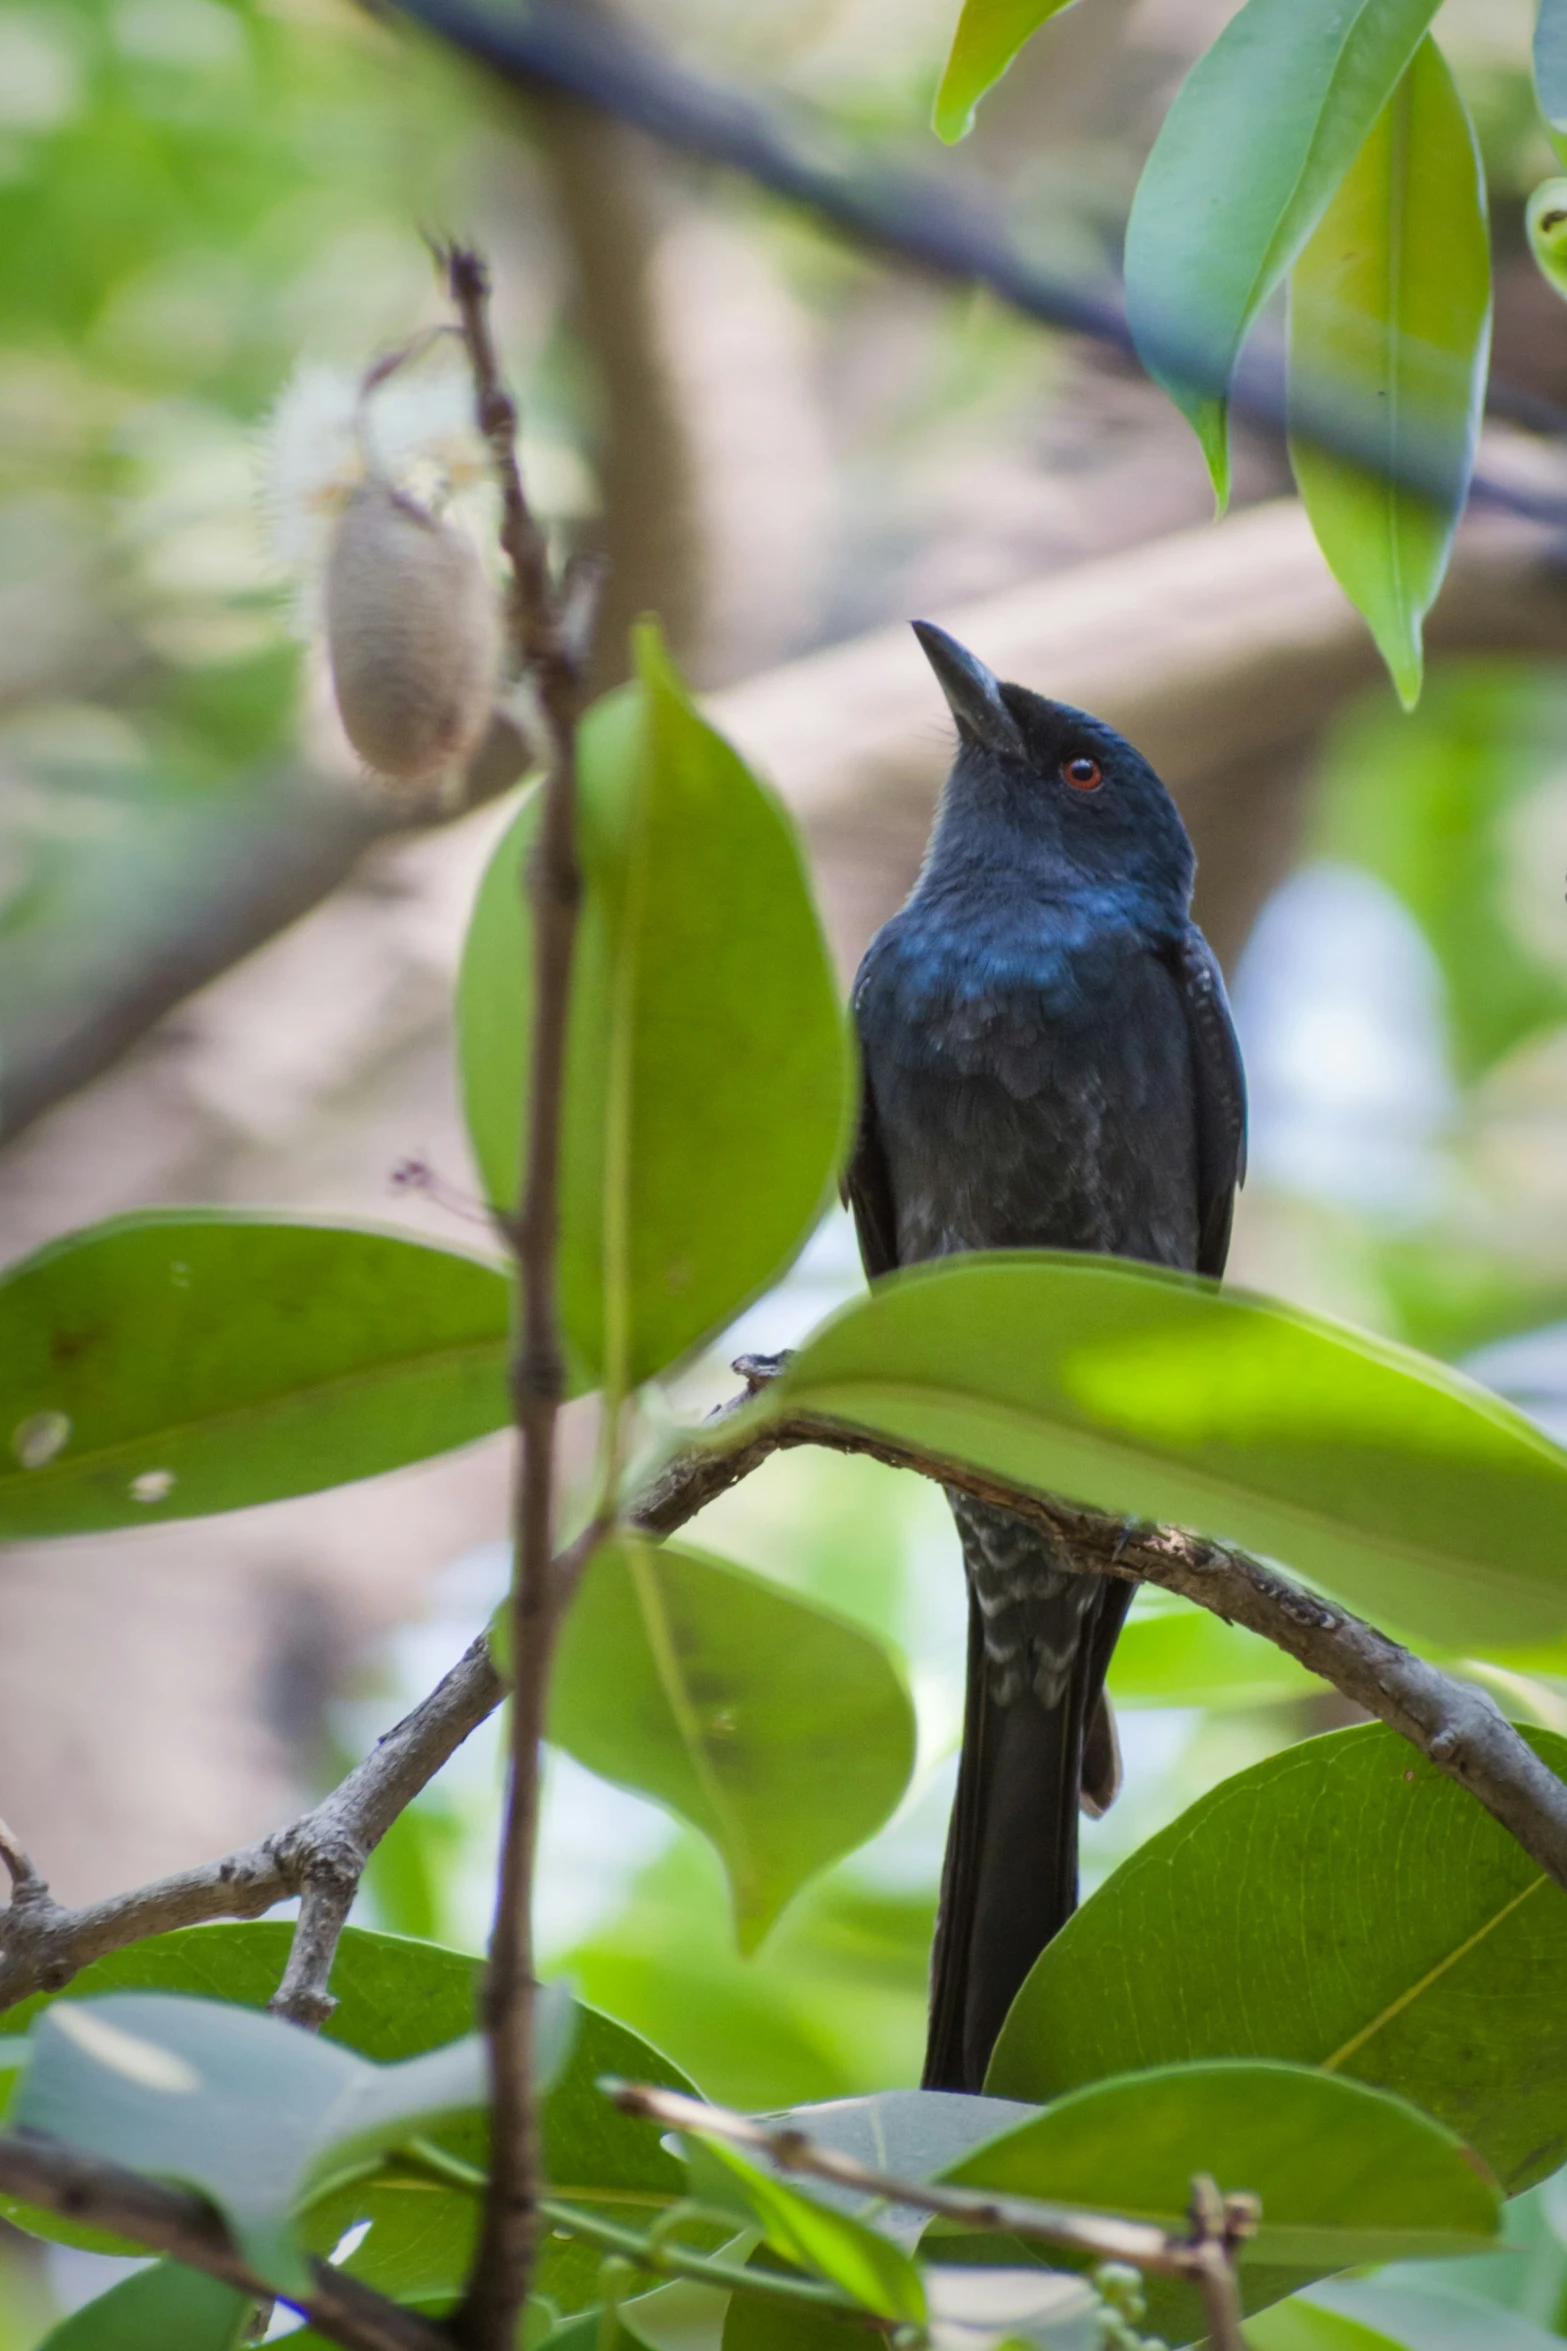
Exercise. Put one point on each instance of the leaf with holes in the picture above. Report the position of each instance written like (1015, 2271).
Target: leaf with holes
(1342, 1905)
(781, 1731)
(1390, 317)
(708, 1079)
(288, 1357)
(1261, 132)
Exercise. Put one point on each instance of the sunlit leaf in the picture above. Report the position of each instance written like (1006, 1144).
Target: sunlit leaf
(245, 2109)
(1261, 132)
(989, 35)
(863, 2264)
(397, 1998)
(181, 1361)
(1295, 2325)
(973, 2309)
(165, 2308)
(1408, 1490)
(782, 1732)
(1346, 2174)
(1341, 1905)
(708, 1081)
(1390, 307)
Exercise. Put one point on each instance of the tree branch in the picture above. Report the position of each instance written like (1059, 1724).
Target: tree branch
(1456, 1726)
(43, 1944)
(100, 2195)
(934, 224)
(546, 646)
(1220, 2224)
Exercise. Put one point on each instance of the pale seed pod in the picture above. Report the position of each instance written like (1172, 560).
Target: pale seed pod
(412, 636)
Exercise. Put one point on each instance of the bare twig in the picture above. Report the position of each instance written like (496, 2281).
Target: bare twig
(302, 1997)
(1106, 2237)
(545, 651)
(100, 2195)
(26, 1884)
(933, 223)
(43, 1944)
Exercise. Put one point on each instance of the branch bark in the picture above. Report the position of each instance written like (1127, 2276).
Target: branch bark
(547, 643)
(171, 2221)
(1219, 2224)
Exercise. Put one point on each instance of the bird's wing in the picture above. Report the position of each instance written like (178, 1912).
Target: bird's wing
(868, 1191)
(1220, 1082)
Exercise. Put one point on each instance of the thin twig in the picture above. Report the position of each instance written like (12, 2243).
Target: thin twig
(665, 2259)
(26, 1884)
(938, 226)
(90, 2192)
(545, 653)
(1106, 2237)
(302, 1997)
(43, 1944)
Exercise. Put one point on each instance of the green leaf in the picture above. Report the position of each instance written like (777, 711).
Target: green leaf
(1550, 68)
(1390, 312)
(866, 2266)
(1346, 2174)
(914, 2134)
(245, 2109)
(397, 1998)
(1342, 1905)
(1173, 1653)
(166, 2308)
(1260, 134)
(708, 1083)
(974, 2308)
(1406, 1489)
(1391, 2308)
(1294, 2325)
(782, 1732)
(989, 35)
(1545, 218)
(175, 1362)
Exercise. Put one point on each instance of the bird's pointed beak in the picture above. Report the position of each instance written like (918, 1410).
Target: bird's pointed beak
(973, 694)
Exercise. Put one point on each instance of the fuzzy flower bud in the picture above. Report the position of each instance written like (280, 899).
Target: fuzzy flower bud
(411, 633)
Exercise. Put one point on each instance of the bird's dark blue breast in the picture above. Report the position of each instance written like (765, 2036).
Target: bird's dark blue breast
(1031, 1069)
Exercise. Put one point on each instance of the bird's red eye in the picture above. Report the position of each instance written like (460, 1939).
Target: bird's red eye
(1083, 773)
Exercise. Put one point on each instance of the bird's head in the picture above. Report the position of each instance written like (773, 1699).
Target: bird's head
(1057, 778)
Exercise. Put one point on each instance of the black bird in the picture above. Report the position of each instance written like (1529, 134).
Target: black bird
(1049, 1063)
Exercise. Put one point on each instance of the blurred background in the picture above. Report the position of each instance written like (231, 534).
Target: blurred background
(225, 962)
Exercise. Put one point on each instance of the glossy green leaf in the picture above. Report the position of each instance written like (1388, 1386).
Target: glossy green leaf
(862, 2263)
(397, 1998)
(973, 2309)
(1180, 1655)
(1346, 2174)
(1550, 69)
(1411, 2317)
(165, 2308)
(708, 1080)
(1408, 1490)
(989, 35)
(1461, 810)
(1260, 134)
(1294, 2325)
(914, 2134)
(1390, 312)
(782, 1732)
(245, 2109)
(1342, 1905)
(181, 1361)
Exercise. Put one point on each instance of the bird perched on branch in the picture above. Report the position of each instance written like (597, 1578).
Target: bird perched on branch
(1049, 1063)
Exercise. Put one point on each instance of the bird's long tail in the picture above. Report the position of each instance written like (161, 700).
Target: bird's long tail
(1035, 1723)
